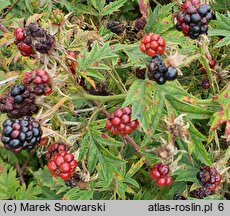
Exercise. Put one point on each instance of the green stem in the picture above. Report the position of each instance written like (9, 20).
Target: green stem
(206, 66)
(120, 83)
(100, 98)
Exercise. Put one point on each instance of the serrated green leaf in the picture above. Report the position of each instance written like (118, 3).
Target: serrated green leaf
(186, 173)
(104, 139)
(147, 105)
(132, 182)
(158, 20)
(31, 192)
(77, 194)
(134, 168)
(192, 111)
(9, 183)
(112, 7)
(4, 4)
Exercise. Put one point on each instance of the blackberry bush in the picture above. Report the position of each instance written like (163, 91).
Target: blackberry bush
(130, 108)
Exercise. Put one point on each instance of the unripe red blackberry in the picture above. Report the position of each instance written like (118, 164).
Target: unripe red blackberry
(193, 18)
(120, 122)
(19, 34)
(38, 81)
(200, 193)
(116, 27)
(21, 134)
(209, 177)
(25, 49)
(63, 165)
(19, 102)
(160, 173)
(55, 148)
(152, 44)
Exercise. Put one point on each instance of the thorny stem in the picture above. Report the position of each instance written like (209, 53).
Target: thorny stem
(20, 170)
(20, 173)
(100, 98)
(3, 28)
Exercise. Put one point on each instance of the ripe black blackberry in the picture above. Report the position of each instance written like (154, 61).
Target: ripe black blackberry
(116, 27)
(21, 134)
(101, 89)
(200, 193)
(159, 72)
(18, 102)
(140, 73)
(108, 1)
(73, 181)
(178, 196)
(209, 177)
(139, 24)
(193, 19)
(43, 41)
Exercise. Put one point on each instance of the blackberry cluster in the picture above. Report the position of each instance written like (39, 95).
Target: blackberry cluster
(19, 102)
(205, 83)
(21, 134)
(38, 81)
(161, 174)
(116, 27)
(62, 164)
(120, 122)
(54, 149)
(152, 44)
(24, 45)
(159, 72)
(41, 39)
(178, 196)
(200, 193)
(209, 177)
(193, 18)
